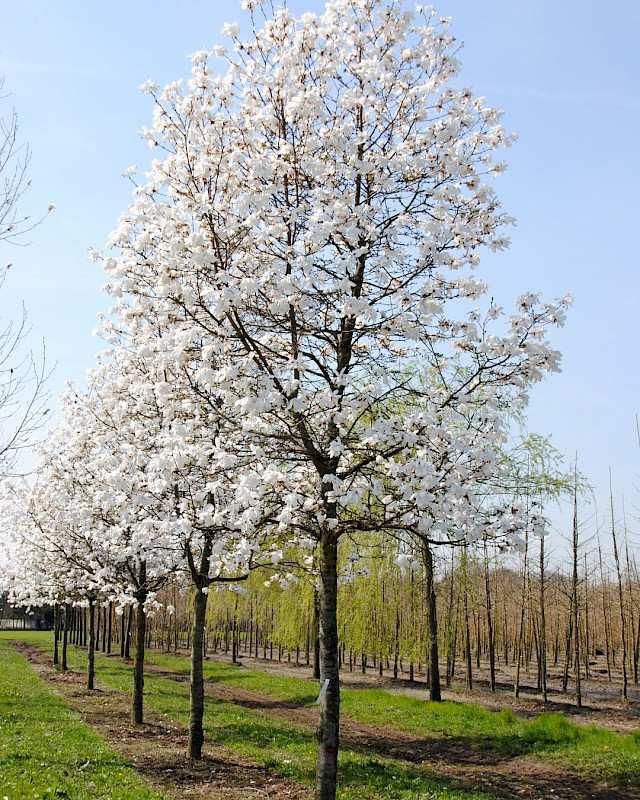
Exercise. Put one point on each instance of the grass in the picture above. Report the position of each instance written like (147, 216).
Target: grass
(278, 745)
(589, 750)
(46, 752)
(290, 750)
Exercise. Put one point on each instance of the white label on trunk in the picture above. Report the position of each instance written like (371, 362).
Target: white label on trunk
(323, 691)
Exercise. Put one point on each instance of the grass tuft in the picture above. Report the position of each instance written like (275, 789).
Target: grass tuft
(46, 752)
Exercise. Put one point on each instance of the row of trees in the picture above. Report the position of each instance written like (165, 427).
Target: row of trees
(302, 367)
(498, 621)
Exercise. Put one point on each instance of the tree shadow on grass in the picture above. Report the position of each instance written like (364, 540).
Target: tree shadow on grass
(362, 775)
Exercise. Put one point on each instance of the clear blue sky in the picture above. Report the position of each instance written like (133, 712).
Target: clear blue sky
(567, 75)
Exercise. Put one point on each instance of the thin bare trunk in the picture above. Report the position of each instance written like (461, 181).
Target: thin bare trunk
(574, 589)
(623, 622)
(523, 596)
(543, 625)
(91, 654)
(490, 634)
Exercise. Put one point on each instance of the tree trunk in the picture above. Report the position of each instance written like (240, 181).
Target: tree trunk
(65, 637)
(91, 655)
(122, 631)
(110, 628)
(574, 587)
(329, 728)
(196, 713)
(567, 657)
(396, 644)
(605, 616)
(137, 705)
(490, 634)
(127, 636)
(56, 634)
(623, 622)
(316, 635)
(467, 632)
(435, 690)
(542, 658)
(523, 601)
(98, 627)
(234, 635)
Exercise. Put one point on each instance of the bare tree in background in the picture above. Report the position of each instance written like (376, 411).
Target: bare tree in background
(22, 373)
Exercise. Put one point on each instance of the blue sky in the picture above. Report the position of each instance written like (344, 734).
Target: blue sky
(567, 75)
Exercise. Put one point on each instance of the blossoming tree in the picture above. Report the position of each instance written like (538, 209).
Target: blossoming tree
(322, 195)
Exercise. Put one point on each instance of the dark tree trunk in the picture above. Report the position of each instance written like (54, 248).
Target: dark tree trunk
(574, 587)
(234, 635)
(91, 655)
(127, 636)
(196, 729)
(98, 627)
(467, 632)
(110, 628)
(490, 633)
(432, 624)
(542, 659)
(329, 727)
(316, 635)
(65, 637)
(623, 622)
(523, 606)
(122, 631)
(56, 634)
(137, 712)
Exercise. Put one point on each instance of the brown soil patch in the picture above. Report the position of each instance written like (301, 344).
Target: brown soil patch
(157, 748)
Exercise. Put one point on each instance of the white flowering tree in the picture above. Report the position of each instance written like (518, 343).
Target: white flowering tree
(119, 420)
(199, 470)
(198, 473)
(90, 520)
(322, 195)
(54, 559)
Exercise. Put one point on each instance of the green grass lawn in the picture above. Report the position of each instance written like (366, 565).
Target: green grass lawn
(287, 749)
(588, 750)
(46, 752)
(290, 750)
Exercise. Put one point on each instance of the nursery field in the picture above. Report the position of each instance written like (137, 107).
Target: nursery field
(60, 741)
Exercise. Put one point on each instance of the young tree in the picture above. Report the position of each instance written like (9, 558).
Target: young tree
(313, 222)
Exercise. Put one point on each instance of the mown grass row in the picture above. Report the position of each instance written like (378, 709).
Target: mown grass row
(589, 750)
(290, 750)
(279, 745)
(47, 752)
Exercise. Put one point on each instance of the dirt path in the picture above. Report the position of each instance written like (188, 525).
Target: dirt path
(459, 760)
(157, 749)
